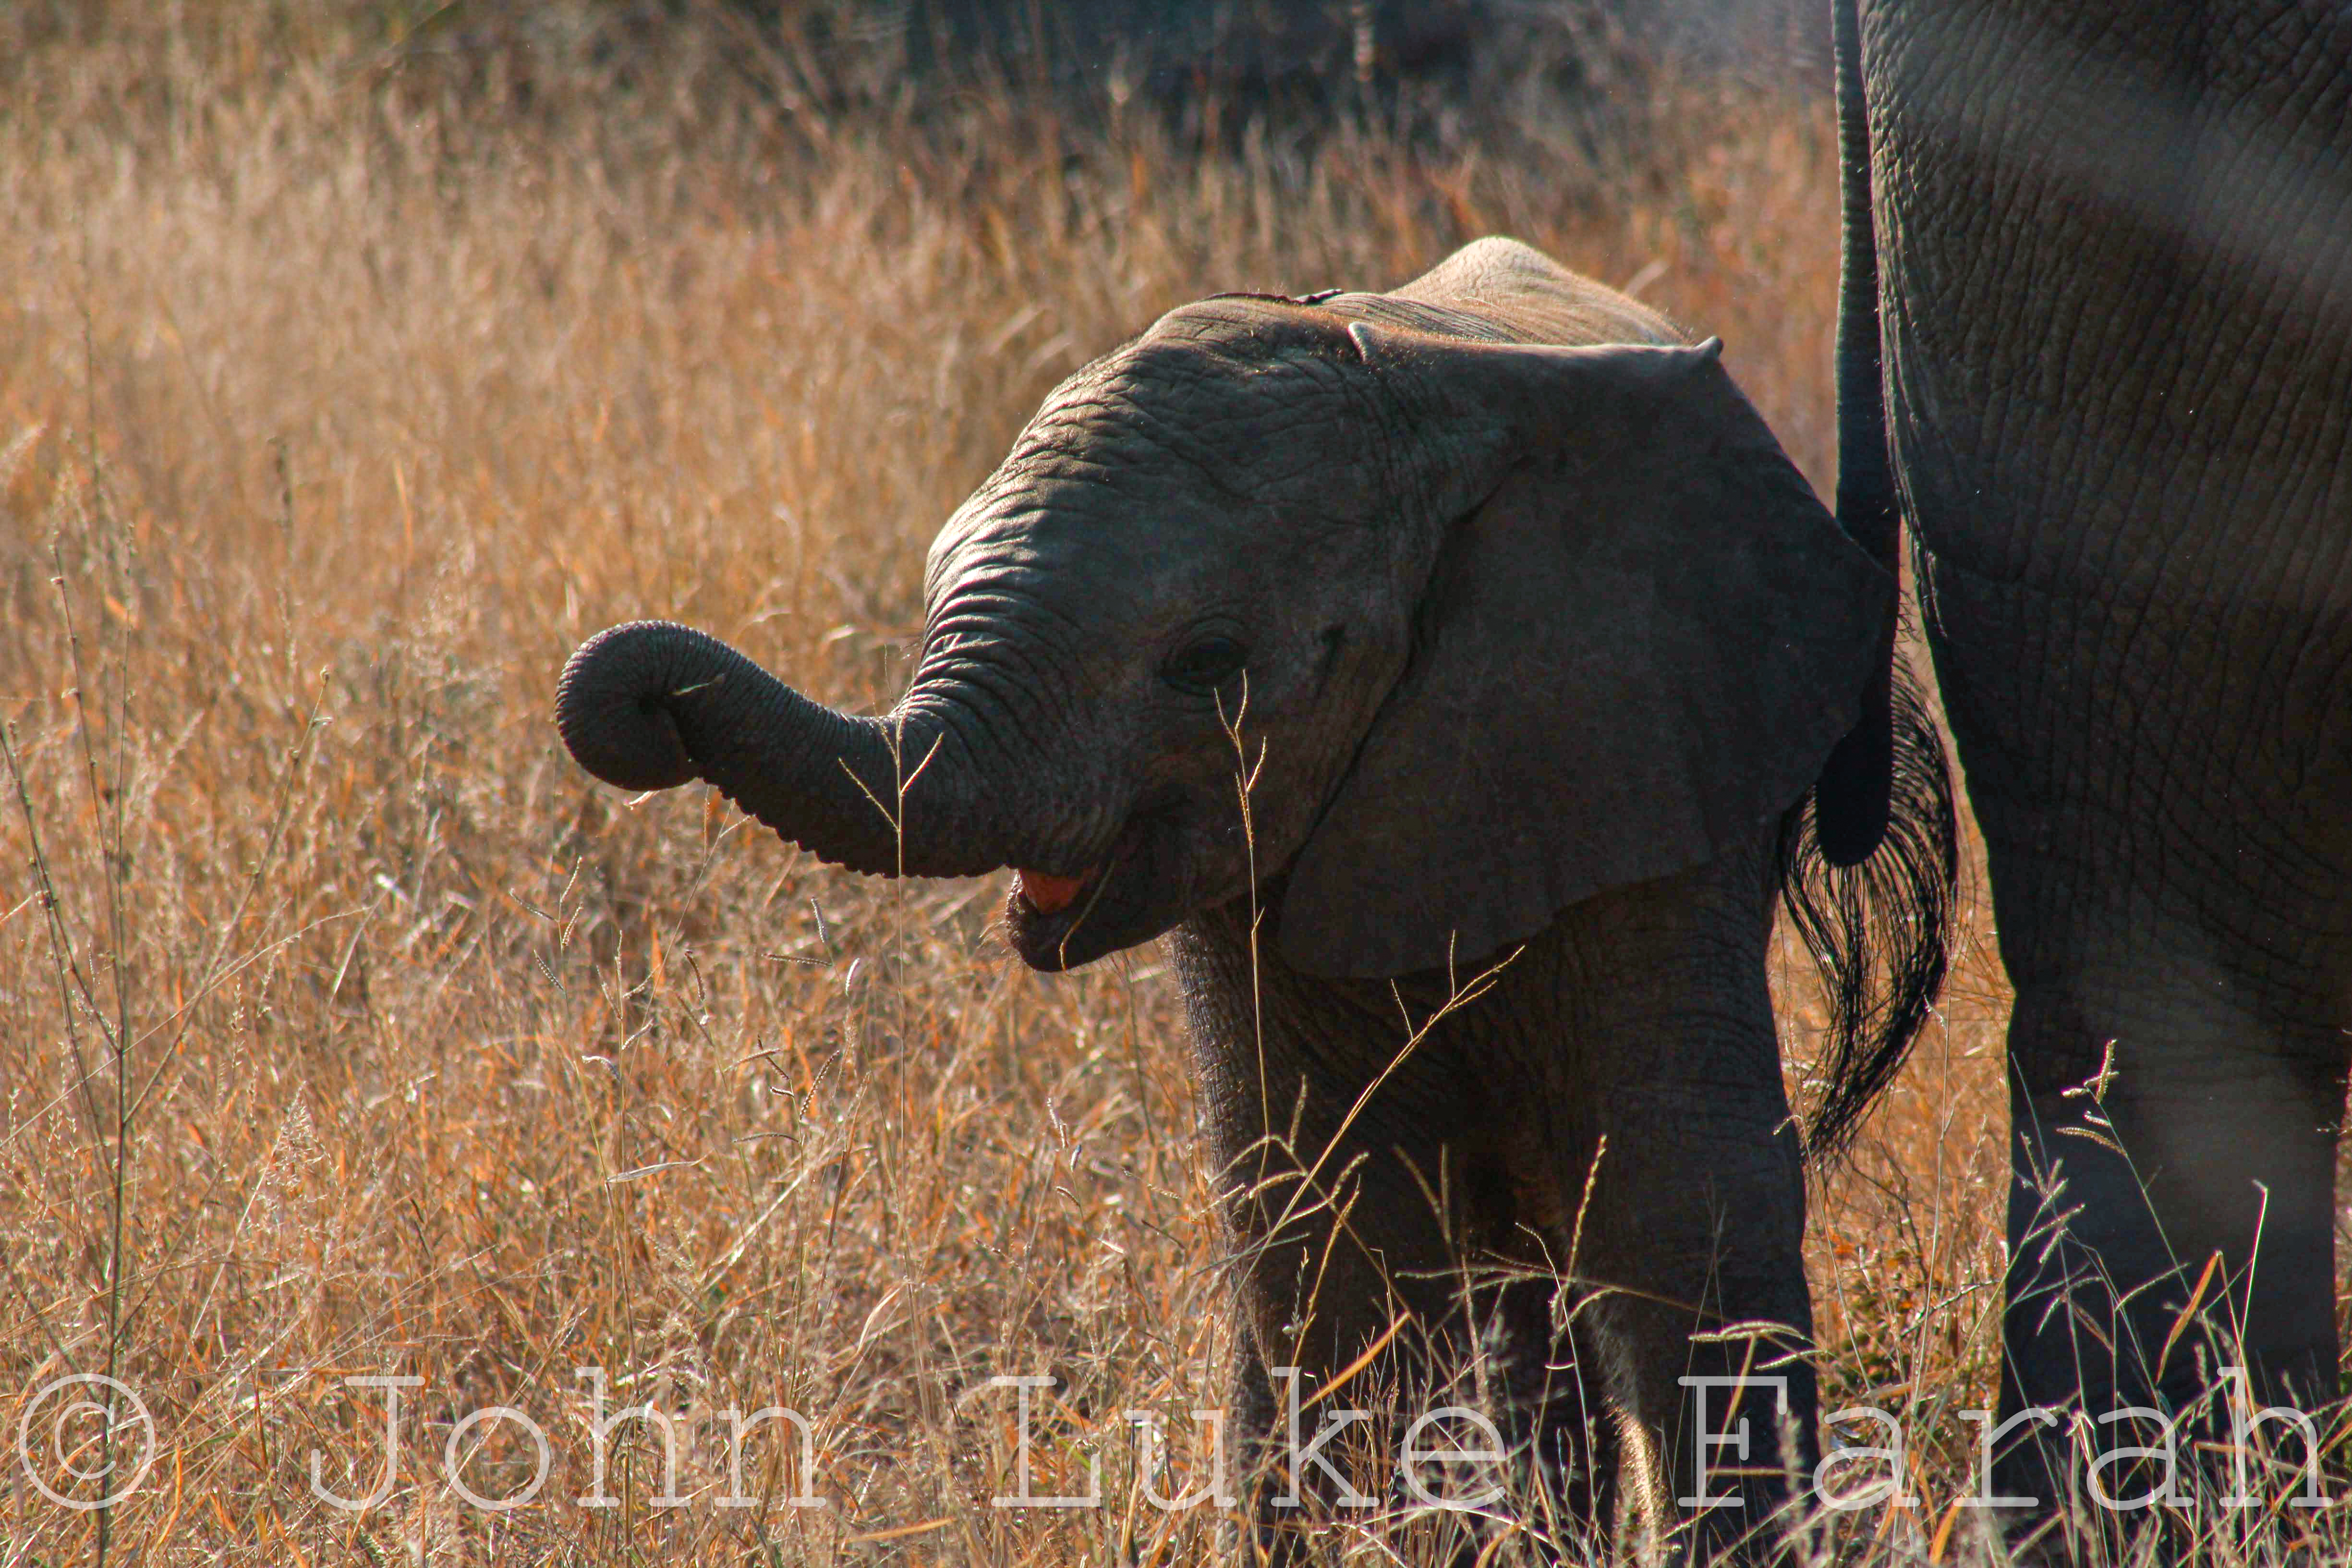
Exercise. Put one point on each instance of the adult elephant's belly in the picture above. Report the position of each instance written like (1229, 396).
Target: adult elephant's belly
(2180, 773)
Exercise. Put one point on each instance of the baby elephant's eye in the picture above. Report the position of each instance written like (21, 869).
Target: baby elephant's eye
(1205, 665)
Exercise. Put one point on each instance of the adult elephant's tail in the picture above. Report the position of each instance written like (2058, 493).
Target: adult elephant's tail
(1880, 931)
(1870, 860)
(1854, 795)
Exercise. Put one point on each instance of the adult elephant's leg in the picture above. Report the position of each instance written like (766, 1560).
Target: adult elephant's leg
(2209, 1146)
(2160, 1124)
(2172, 906)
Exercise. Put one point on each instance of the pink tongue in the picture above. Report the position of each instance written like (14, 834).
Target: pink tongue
(1052, 895)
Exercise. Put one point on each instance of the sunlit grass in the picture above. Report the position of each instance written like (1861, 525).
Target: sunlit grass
(336, 406)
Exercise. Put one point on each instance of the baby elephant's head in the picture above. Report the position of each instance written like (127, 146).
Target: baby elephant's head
(1445, 635)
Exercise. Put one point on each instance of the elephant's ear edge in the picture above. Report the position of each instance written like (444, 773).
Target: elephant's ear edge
(1640, 648)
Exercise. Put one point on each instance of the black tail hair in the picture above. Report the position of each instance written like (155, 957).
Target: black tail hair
(1880, 931)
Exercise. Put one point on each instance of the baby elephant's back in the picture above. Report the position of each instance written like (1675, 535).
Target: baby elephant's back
(1498, 291)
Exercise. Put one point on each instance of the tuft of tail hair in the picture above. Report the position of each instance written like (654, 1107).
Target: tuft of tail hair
(1879, 932)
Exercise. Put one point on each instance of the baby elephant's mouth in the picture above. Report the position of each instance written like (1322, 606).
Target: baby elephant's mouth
(1046, 914)
(1050, 895)
(1130, 895)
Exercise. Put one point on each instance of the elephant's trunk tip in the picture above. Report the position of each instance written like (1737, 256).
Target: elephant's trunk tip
(611, 707)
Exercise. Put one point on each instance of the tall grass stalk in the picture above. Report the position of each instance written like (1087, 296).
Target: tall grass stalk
(349, 1031)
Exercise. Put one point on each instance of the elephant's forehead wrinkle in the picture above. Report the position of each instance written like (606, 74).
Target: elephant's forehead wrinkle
(984, 614)
(1046, 541)
(1229, 428)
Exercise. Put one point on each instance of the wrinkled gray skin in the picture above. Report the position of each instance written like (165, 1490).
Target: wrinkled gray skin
(2116, 247)
(1526, 644)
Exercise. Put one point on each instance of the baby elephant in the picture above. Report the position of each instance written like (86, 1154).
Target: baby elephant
(1528, 641)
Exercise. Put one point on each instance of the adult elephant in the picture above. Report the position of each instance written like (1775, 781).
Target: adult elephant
(1442, 669)
(2108, 250)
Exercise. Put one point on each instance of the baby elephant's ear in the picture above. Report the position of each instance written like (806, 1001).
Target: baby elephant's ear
(1638, 641)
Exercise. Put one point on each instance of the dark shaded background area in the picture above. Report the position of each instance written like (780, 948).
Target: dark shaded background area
(1424, 65)
(1443, 74)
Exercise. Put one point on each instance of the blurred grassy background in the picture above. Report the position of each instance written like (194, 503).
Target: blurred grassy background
(358, 361)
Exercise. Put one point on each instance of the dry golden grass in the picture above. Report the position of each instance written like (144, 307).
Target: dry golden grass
(365, 1035)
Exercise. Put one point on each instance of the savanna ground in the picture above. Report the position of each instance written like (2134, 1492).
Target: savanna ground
(347, 1029)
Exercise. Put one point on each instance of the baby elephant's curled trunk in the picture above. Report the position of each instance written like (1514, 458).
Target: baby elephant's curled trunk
(652, 704)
